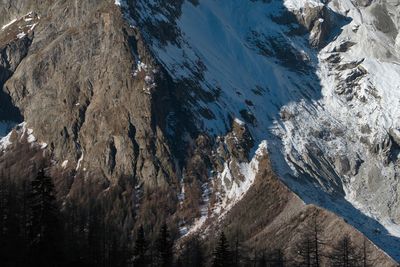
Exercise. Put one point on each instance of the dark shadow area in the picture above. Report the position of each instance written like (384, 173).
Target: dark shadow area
(8, 112)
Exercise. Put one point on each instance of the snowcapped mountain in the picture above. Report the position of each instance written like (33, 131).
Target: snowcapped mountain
(187, 109)
(318, 80)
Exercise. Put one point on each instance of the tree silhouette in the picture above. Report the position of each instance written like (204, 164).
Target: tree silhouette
(262, 261)
(308, 249)
(45, 231)
(192, 254)
(140, 250)
(366, 260)
(316, 232)
(305, 252)
(278, 259)
(236, 252)
(222, 254)
(164, 247)
(345, 254)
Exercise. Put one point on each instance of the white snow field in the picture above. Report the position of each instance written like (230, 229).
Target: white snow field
(330, 116)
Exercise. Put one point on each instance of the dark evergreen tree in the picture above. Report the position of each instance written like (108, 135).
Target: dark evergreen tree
(11, 238)
(192, 254)
(3, 216)
(262, 262)
(222, 254)
(278, 260)
(236, 252)
(179, 262)
(45, 231)
(164, 246)
(95, 235)
(14, 219)
(140, 257)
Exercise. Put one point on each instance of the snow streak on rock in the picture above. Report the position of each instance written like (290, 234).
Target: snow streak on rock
(22, 132)
(230, 195)
(234, 193)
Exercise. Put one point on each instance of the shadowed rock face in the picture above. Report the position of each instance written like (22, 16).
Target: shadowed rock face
(86, 84)
(76, 88)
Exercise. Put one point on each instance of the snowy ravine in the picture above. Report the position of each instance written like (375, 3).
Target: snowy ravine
(24, 133)
(330, 114)
(231, 194)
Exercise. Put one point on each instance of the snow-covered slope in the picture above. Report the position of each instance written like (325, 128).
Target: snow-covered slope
(319, 80)
(240, 56)
(353, 138)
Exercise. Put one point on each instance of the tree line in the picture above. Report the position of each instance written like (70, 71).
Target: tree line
(29, 226)
(36, 230)
(225, 253)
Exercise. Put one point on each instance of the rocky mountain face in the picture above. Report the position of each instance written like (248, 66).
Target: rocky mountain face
(193, 112)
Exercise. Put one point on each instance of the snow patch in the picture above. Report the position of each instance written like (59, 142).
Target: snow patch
(239, 188)
(24, 132)
(5, 142)
(239, 122)
(43, 145)
(204, 209)
(64, 164)
(231, 195)
(300, 4)
(119, 3)
(78, 165)
(8, 24)
(21, 35)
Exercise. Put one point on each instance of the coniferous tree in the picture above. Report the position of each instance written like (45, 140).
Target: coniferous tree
(179, 262)
(262, 262)
(45, 232)
(140, 250)
(3, 216)
(308, 249)
(278, 259)
(95, 235)
(164, 247)
(345, 254)
(12, 232)
(305, 252)
(236, 252)
(14, 220)
(365, 252)
(192, 254)
(222, 254)
(316, 232)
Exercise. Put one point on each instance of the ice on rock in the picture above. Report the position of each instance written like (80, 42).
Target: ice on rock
(8, 24)
(299, 4)
(64, 164)
(21, 35)
(79, 164)
(25, 133)
(239, 122)
(5, 142)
